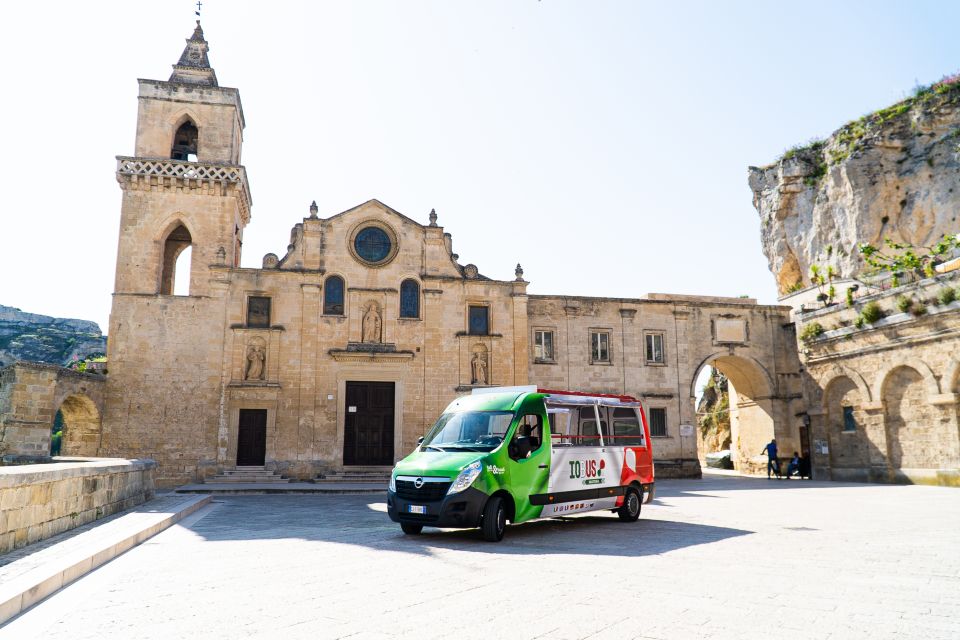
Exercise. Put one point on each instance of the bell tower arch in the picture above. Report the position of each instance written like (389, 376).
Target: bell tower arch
(186, 164)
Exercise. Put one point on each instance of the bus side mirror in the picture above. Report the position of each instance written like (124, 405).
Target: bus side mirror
(419, 441)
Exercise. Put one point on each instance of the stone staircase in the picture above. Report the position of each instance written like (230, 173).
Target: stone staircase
(362, 475)
(247, 475)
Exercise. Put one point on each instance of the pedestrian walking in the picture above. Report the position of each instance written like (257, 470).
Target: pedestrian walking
(773, 463)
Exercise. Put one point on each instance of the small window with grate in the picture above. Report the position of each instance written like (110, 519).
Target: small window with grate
(258, 311)
(658, 423)
(849, 421)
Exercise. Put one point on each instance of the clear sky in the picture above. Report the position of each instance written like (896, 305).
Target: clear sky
(604, 145)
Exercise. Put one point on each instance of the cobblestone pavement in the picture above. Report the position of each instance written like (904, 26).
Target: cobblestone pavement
(722, 557)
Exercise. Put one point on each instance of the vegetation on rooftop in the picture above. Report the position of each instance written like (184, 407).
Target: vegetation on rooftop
(848, 138)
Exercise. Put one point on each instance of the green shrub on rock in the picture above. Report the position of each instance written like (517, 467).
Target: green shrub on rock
(811, 332)
(871, 312)
(904, 303)
(945, 296)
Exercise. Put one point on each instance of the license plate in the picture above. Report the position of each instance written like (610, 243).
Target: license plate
(416, 508)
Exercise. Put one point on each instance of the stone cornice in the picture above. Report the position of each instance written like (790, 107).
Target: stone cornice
(343, 355)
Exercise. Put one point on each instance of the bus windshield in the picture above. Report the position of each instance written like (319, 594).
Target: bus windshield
(468, 431)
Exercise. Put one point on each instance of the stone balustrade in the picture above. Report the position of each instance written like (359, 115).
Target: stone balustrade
(183, 170)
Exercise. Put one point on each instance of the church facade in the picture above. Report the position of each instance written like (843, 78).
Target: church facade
(342, 350)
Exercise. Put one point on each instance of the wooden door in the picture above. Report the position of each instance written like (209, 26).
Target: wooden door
(368, 427)
(252, 437)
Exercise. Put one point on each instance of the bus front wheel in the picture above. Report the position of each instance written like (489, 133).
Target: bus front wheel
(630, 510)
(411, 529)
(494, 520)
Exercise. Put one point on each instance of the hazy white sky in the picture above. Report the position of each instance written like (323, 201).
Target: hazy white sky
(604, 145)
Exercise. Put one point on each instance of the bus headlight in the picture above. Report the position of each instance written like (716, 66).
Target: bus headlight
(466, 477)
(392, 485)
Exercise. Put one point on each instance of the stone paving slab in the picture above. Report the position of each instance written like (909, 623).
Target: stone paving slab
(722, 557)
(32, 573)
(266, 488)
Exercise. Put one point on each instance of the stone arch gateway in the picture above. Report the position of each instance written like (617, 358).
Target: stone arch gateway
(31, 394)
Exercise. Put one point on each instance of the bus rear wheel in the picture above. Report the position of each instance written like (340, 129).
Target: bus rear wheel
(411, 529)
(494, 520)
(630, 510)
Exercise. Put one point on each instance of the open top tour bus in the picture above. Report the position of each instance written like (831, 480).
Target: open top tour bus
(521, 453)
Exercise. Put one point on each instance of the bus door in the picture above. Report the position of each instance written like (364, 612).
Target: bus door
(581, 463)
(528, 463)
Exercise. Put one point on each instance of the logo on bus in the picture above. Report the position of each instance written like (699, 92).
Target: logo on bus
(591, 470)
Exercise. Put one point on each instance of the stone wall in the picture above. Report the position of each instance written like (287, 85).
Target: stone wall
(40, 501)
(884, 397)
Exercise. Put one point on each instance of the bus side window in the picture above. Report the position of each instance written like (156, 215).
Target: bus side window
(626, 428)
(559, 419)
(588, 435)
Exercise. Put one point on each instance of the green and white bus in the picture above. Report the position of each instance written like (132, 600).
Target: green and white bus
(521, 453)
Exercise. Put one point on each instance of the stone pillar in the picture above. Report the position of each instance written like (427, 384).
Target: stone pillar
(308, 429)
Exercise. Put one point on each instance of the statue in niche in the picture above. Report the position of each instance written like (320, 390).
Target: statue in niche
(478, 367)
(256, 355)
(371, 326)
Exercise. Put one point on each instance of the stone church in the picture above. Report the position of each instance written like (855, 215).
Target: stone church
(342, 350)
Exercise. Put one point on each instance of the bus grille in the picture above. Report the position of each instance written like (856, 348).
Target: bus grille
(429, 492)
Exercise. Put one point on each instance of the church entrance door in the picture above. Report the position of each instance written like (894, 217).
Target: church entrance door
(252, 437)
(368, 427)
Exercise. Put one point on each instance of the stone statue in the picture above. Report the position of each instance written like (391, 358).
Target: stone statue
(255, 358)
(371, 325)
(479, 368)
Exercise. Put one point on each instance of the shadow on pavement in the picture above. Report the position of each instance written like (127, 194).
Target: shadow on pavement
(358, 520)
(718, 483)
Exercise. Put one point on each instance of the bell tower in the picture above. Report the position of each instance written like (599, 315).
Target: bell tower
(184, 187)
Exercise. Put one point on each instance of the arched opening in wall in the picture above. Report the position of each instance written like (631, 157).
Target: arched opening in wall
(181, 272)
(79, 422)
(742, 420)
(912, 438)
(846, 421)
(175, 275)
(185, 142)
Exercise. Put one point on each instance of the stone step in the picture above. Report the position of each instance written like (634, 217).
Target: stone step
(246, 480)
(247, 475)
(349, 476)
(245, 472)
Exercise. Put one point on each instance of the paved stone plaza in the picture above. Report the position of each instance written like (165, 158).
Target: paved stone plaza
(722, 557)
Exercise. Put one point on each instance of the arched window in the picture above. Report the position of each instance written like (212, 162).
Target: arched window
(409, 299)
(333, 296)
(185, 142)
(172, 268)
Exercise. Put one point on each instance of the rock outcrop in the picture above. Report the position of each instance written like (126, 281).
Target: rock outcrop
(893, 173)
(29, 336)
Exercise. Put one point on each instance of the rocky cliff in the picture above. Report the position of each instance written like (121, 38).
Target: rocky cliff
(893, 173)
(28, 336)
